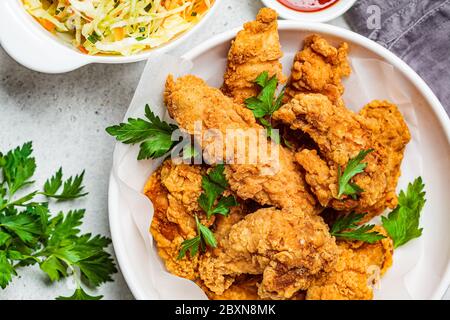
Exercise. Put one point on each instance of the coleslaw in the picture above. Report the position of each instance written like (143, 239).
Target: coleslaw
(118, 27)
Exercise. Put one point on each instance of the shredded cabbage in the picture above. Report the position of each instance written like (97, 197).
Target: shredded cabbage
(122, 27)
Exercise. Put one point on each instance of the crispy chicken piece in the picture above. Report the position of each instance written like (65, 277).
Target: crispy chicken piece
(223, 224)
(174, 190)
(244, 288)
(254, 50)
(275, 181)
(391, 133)
(340, 135)
(319, 68)
(359, 267)
(287, 247)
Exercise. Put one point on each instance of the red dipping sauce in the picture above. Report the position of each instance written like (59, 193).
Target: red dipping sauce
(308, 5)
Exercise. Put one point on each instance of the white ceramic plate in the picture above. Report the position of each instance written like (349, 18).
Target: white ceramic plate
(431, 274)
(330, 13)
(31, 45)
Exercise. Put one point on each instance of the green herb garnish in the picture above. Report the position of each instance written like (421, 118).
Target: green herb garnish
(402, 224)
(211, 201)
(30, 235)
(191, 152)
(154, 135)
(93, 38)
(265, 104)
(204, 237)
(80, 294)
(346, 227)
(354, 167)
(72, 188)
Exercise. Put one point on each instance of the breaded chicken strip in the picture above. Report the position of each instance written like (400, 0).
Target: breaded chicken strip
(244, 288)
(223, 224)
(254, 50)
(174, 190)
(287, 247)
(391, 133)
(276, 181)
(319, 68)
(340, 135)
(358, 268)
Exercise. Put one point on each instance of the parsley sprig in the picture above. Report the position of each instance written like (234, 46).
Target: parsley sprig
(212, 202)
(80, 294)
(72, 188)
(204, 237)
(354, 167)
(154, 134)
(30, 234)
(265, 104)
(346, 227)
(402, 223)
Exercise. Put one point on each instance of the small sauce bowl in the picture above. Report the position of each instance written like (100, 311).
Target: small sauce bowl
(310, 10)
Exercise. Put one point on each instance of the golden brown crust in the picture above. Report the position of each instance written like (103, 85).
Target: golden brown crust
(285, 251)
(391, 134)
(255, 49)
(244, 288)
(287, 247)
(190, 99)
(359, 267)
(167, 234)
(340, 135)
(319, 68)
(173, 190)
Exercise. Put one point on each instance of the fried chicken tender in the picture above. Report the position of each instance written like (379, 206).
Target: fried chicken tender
(319, 68)
(254, 50)
(340, 135)
(275, 181)
(390, 133)
(174, 190)
(358, 268)
(244, 288)
(289, 248)
(223, 224)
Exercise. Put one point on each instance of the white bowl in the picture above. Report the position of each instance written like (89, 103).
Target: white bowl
(330, 13)
(431, 274)
(26, 41)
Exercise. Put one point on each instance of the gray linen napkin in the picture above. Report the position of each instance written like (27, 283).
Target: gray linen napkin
(418, 31)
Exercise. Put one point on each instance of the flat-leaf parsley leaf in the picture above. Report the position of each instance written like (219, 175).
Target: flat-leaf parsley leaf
(154, 134)
(354, 167)
(29, 234)
(402, 224)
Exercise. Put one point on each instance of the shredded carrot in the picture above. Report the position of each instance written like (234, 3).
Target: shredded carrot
(131, 20)
(83, 49)
(47, 25)
(165, 3)
(201, 7)
(119, 33)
